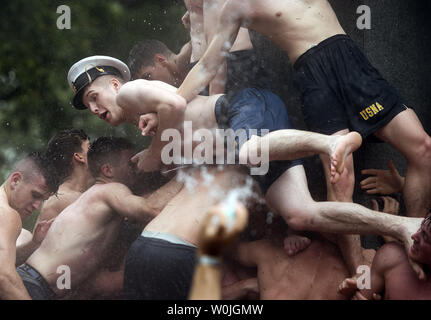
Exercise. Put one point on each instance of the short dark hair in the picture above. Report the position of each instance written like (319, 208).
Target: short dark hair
(106, 150)
(36, 162)
(142, 54)
(61, 148)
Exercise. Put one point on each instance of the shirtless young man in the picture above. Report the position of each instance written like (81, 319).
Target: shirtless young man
(84, 233)
(106, 95)
(392, 277)
(31, 182)
(161, 262)
(358, 97)
(153, 60)
(313, 274)
(68, 151)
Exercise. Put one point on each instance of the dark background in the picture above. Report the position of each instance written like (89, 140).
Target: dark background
(35, 57)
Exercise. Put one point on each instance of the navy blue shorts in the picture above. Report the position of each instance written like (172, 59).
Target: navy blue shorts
(258, 109)
(341, 89)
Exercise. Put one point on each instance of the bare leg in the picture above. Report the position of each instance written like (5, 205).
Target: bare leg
(289, 196)
(405, 132)
(290, 144)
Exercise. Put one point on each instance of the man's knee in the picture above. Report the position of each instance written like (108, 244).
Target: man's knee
(422, 152)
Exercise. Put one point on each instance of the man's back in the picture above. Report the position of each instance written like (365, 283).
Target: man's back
(56, 204)
(79, 237)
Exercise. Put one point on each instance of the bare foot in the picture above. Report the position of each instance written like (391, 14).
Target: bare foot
(294, 244)
(341, 148)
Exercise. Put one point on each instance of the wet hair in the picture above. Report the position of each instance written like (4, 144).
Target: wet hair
(142, 54)
(37, 163)
(61, 149)
(106, 150)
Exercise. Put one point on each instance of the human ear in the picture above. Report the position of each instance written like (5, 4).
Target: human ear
(78, 157)
(106, 170)
(15, 180)
(160, 58)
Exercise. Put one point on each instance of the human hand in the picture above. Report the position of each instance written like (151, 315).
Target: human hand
(382, 181)
(218, 230)
(186, 20)
(146, 162)
(41, 230)
(359, 296)
(390, 205)
(348, 287)
(148, 124)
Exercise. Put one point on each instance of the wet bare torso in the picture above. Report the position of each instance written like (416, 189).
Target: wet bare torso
(182, 216)
(294, 25)
(401, 283)
(79, 238)
(313, 274)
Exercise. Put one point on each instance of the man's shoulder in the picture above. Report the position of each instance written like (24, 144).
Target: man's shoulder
(61, 200)
(10, 220)
(107, 189)
(390, 255)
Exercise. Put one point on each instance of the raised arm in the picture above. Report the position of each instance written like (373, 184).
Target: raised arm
(217, 233)
(11, 285)
(215, 55)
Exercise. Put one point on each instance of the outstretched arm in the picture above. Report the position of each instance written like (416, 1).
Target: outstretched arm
(215, 55)
(121, 200)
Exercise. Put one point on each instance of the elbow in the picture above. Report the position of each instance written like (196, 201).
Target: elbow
(175, 108)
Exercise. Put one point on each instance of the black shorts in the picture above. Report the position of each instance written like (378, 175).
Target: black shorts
(258, 109)
(158, 270)
(36, 285)
(341, 90)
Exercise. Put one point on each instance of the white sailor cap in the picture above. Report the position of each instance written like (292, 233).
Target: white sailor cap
(85, 71)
